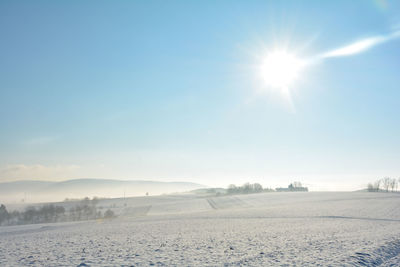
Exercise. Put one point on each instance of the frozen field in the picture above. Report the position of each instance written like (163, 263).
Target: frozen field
(271, 229)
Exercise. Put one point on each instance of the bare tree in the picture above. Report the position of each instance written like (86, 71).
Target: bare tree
(386, 183)
(247, 188)
(4, 216)
(370, 187)
(377, 185)
(393, 184)
(257, 188)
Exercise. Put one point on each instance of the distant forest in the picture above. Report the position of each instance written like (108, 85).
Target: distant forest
(85, 209)
(293, 187)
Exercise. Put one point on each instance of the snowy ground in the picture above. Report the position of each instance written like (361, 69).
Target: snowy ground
(272, 229)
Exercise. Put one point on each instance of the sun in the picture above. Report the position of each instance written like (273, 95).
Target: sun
(279, 69)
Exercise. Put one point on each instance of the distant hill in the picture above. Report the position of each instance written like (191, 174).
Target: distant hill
(44, 191)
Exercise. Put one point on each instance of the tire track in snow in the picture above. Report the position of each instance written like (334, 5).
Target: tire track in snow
(211, 203)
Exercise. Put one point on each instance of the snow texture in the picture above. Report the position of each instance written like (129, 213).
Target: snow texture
(270, 229)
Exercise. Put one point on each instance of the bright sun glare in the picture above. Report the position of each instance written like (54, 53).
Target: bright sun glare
(279, 69)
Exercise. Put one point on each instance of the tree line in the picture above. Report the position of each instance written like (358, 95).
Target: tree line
(85, 209)
(293, 187)
(385, 184)
(246, 188)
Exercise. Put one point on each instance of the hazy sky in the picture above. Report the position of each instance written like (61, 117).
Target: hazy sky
(171, 91)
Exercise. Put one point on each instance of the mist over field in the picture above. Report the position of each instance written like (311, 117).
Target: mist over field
(44, 191)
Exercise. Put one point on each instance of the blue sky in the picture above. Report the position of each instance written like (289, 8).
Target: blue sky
(168, 90)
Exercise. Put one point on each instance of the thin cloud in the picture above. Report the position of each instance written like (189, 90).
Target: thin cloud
(16, 172)
(38, 141)
(360, 46)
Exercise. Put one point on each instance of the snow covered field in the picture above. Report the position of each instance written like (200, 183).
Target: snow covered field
(271, 229)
